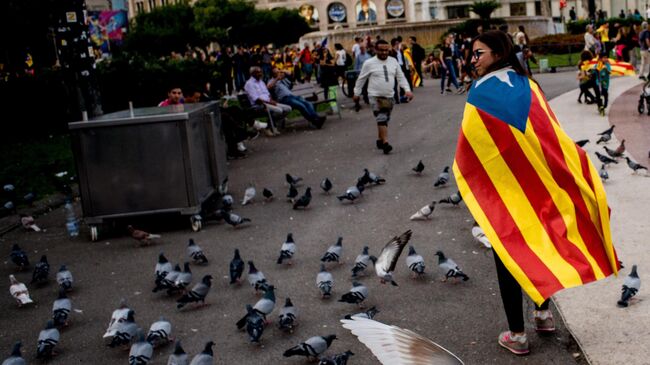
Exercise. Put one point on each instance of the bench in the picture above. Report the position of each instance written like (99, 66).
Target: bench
(254, 113)
(311, 94)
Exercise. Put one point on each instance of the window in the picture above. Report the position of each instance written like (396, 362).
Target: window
(538, 8)
(517, 9)
(152, 4)
(433, 11)
(454, 12)
(164, 2)
(139, 7)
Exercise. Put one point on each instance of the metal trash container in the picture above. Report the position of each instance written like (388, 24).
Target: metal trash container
(149, 161)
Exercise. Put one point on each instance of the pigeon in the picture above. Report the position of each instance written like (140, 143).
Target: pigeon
(117, 318)
(19, 257)
(64, 278)
(263, 307)
(582, 142)
(304, 200)
(195, 252)
(28, 223)
(254, 324)
(169, 281)
(61, 309)
(249, 195)
(620, 150)
(255, 277)
(292, 194)
(424, 213)
(356, 295)
(393, 345)
(418, 168)
(352, 193)
(292, 180)
(197, 294)
(125, 332)
(326, 185)
(631, 286)
(29, 198)
(369, 314)
(604, 138)
(287, 319)
(480, 236)
(236, 268)
(141, 350)
(634, 165)
(141, 236)
(388, 257)
(443, 178)
(287, 250)
(311, 348)
(19, 291)
(338, 359)
(223, 187)
(16, 357)
(604, 159)
(48, 338)
(235, 220)
(333, 253)
(449, 268)
(453, 199)
(267, 194)
(41, 271)
(226, 202)
(205, 357)
(607, 132)
(362, 261)
(184, 279)
(371, 178)
(603, 173)
(179, 357)
(415, 262)
(160, 333)
(163, 267)
(324, 282)
(612, 153)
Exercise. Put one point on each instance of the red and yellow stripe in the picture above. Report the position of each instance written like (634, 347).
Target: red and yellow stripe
(619, 68)
(537, 197)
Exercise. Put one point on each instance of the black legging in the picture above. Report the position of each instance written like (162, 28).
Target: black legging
(512, 298)
(586, 89)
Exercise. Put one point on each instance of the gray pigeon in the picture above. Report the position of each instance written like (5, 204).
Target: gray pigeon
(160, 333)
(453, 199)
(631, 286)
(125, 332)
(418, 168)
(606, 134)
(352, 193)
(47, 341)
(324, 282)
(206, 357)
(292, 180)
(333, 253)
(236, 268)
(304, 200)
(292, 194)
(362, 261)
(287, 250)
(288, 316)
(184, 279)
(369, 314)
(582, 142)
(326, 185)
(19, 257)
(603, 173)
(227, 201)
(168, 281)
(449, 268)
(197, 294)
(163, 267)
(195, 252)
(267, 194)
(613, 153)
(64, 278)
(443, 178)
(179, 357)
(415, 263)
(141, 350)
(16, 357)
(254, 324)
(371, 178)
(61, 309)
(424, 212)
(634, 165)
(263, 307)
(255, 277)
(604, 159)
(249, 195)
(356, 295)
(387, 260)
(235, 220)
(41, 271)
(311, 348)
(338, 359)
(118, 316)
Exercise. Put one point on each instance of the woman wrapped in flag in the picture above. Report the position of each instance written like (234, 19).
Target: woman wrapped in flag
(534, 192)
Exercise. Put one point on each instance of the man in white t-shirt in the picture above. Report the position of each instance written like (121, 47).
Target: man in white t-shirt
(356, 48)
(381, 72)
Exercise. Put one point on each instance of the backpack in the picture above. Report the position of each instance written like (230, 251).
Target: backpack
(348, 60)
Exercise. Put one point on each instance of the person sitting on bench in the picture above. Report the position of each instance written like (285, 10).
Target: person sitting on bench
(259, 96)
(281, 86)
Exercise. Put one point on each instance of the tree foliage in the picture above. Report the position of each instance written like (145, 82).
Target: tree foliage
(484, 9)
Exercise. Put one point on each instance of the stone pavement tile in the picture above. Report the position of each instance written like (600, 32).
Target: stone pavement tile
(607, 334)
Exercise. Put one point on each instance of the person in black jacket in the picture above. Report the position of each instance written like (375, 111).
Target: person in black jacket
(418, 56)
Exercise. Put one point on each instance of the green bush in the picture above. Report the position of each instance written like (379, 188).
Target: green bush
(579, 26)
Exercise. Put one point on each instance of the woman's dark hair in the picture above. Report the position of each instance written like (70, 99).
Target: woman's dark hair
(338, 46)
(502, 46)
(586, 56)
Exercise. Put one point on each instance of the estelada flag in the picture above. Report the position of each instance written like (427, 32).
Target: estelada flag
(534, 192)
(619, 68)
(415, 78)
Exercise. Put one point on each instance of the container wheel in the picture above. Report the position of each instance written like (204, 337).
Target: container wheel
(196, 222)
(640, 108)
(94, 233)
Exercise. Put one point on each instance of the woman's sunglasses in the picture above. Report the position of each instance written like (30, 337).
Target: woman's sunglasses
(478, 53)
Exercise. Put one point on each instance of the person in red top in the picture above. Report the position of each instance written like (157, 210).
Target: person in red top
(174, 97)
(307, 63)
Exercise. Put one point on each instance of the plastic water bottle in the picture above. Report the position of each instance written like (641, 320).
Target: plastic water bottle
(71, 223)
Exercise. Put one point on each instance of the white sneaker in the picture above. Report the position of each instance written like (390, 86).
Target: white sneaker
(241, 147)
(259, 125)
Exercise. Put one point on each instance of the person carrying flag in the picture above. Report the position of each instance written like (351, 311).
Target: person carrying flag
(532, 190)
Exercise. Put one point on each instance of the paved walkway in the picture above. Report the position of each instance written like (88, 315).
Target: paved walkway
(607, 334)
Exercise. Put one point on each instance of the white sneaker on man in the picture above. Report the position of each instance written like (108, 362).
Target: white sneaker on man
(241, 147)
(259, 125)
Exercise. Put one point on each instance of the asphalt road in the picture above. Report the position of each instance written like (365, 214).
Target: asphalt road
(465, 317)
